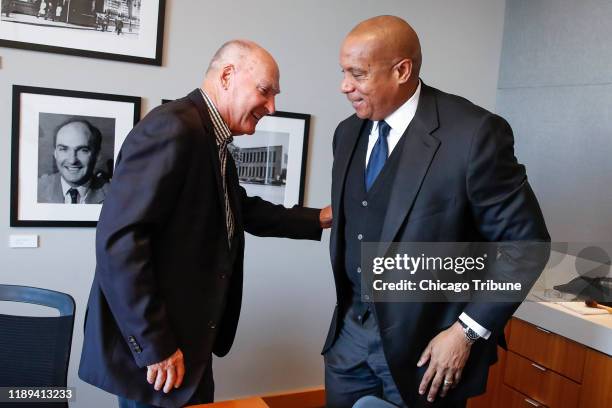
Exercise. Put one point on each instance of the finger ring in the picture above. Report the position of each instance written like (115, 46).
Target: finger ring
(447, 382)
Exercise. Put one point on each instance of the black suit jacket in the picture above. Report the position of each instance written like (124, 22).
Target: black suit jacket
(458, 180)
(163, 277)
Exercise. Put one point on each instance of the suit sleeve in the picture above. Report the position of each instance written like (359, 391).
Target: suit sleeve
(151, 165)
(265, 219)
(505, 209)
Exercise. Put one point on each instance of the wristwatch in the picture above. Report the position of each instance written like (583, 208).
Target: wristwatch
(470, 335)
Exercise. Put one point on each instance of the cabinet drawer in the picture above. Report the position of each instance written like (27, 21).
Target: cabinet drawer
(514, 399)
(540, 383)
(547, 349)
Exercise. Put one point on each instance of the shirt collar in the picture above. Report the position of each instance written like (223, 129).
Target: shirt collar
(402, 116)
(222, 132)
(82, 189)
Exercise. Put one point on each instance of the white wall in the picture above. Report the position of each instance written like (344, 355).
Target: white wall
(288, 285)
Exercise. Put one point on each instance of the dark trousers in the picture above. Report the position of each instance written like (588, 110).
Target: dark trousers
(356, 367)
(204, 394)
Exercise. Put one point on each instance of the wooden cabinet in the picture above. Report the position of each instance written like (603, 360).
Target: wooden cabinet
(514, 399)
(547, 349)
(597, 382)
(543, 369)
(540, 383)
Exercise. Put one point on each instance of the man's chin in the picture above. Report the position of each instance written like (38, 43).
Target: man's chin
(362, 115)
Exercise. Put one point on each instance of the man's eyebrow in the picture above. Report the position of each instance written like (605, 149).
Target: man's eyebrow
(75, 147)
(269, 86)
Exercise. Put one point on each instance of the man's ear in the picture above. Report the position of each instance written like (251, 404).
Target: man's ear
(227, 74)
(404, 70)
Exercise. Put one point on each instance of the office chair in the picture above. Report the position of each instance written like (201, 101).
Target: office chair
(35, 351)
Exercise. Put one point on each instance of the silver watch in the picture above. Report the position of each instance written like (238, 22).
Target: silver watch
(470, 335)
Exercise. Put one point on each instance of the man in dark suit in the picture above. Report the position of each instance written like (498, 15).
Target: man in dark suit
(170, 240)
(77, 145)
(415, 164)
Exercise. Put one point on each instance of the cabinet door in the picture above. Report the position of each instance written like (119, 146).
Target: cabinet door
(547, 349)
(510, 398)
(540, 383)
(597, 382)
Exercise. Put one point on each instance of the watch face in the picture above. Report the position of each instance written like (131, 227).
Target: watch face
(471, 334)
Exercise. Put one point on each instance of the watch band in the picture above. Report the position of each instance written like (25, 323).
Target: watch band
(470, 335)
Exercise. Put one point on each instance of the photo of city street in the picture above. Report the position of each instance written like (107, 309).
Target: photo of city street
(261, 161)
(91, 18)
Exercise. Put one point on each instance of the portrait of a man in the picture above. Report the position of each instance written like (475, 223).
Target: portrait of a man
(76, 148)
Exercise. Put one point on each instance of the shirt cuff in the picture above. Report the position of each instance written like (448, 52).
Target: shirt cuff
(472, 324)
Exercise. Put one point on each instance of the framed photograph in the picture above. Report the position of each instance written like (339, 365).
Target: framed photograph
(122, 30)
(64, 147)
(271, 163)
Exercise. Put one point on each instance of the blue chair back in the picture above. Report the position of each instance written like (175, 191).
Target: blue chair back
(35, 351)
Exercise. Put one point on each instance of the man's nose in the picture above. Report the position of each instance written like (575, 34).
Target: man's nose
(72, 156)
(271, 106)
(346, 85)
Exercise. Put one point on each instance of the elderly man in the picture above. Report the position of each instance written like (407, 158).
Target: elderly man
(415, 164)
(170, 240)
(77, 146)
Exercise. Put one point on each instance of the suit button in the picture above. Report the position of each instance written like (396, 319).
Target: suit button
(212, 325)
(222, 276)
(364, 203)
(359, 269)
(360, 237)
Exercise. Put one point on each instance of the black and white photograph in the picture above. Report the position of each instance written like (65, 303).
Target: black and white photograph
(271, 163)
(64, 149)
(127, 30)
(75, 158)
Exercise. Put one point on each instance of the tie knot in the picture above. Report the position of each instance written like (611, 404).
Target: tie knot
(383, 128)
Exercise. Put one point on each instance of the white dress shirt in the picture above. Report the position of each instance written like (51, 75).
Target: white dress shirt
(83, 191)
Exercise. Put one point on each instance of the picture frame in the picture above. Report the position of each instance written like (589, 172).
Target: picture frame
(120, 30)
(271, 163)
(64, 147)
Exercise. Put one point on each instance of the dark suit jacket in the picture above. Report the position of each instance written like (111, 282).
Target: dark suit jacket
(50, 190)
(163, 278)
(458, 180)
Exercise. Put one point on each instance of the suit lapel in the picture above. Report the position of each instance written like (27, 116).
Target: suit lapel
(57, 194)
(418, 151)
(208, 134)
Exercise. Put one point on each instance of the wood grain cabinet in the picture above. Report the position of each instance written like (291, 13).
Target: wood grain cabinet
(543, 369)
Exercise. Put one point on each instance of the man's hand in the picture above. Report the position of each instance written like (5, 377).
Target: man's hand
(325, 217)
(447, 354)
(168, 373)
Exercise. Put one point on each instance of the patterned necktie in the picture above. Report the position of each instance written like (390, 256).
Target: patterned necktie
(378, 156)
(74, 194)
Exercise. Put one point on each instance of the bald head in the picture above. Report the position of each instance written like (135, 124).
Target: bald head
(381, 61)
(242, 81)
(242, 54)
(390, 37)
